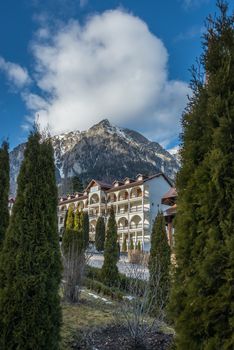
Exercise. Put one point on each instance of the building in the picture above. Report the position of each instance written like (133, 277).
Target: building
(135, 201)
(11, 202)
(169, 199)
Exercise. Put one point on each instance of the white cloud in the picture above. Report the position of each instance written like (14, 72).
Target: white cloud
(112, 67)
(16, 75)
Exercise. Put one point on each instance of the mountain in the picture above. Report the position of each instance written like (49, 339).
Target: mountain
(104, 152)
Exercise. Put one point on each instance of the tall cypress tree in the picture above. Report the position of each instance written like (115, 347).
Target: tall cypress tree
(4, 190)
(109, 269)
(70, 222)
(30, 259)
(159, 266)
(100, 234)
(86, 228)
(204, 229)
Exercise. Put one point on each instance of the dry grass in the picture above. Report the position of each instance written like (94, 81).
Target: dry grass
(89, 313)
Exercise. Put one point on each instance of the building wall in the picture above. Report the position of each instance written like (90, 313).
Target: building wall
(134, 216)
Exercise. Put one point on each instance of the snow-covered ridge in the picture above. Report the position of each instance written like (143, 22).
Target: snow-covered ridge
(105, 152)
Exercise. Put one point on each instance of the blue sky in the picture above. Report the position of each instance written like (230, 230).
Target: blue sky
(144, 43)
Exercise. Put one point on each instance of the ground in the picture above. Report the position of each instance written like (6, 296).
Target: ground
(92, 319)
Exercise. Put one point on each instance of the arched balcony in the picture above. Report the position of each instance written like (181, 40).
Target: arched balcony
(94, 199)
(136, 192)
(111, 198)
(123, 195)
(136, 222)
(122, 224)
(63, 208)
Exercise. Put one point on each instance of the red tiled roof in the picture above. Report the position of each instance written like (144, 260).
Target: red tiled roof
(137, 183)
(169, 197)
(72, 200)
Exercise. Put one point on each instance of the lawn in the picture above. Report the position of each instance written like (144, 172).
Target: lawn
(93, 311)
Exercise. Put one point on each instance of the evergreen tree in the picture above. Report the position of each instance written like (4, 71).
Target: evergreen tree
(77, 220)
(204, 227)
(139, 246)
(86, 228)
(73, 246)
(109, 269)
(100, 234)
(4, 190)
(77, 185)
(69, 223)
(159, 265)
(124, 246)
(131, 247)
(30, 259)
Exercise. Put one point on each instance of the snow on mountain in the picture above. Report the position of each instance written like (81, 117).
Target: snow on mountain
(105, 152)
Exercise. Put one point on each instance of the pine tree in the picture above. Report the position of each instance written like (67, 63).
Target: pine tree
(131, 247)
(30, 259)
(109, 269)
(4, 190)
(204, 227)
(100, 234)
(159, 265)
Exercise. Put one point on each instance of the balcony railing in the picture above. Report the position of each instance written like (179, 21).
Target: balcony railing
(123, 198)
(94, 203)
(122, 228)
(135, 226)
(135, 209)
(111, 201)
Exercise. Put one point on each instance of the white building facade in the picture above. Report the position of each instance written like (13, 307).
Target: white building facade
(135, 202)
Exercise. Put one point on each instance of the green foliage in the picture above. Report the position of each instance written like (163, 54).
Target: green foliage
(73, 235)
(131, 246)
(86, 229)
(139, 246)
(125, 283)
(111, 253)
(30, 260)
(101, 288)
(124, 246)
(100, 234)
(159, 265)
(77, 185)
(203, 281)
(69, 223)
(78, 220)
(4, 190)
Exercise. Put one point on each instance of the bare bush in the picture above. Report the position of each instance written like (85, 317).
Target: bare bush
(135, 311)
(74, 263)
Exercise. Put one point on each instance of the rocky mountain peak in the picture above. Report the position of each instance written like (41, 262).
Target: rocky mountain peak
(105, 152)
